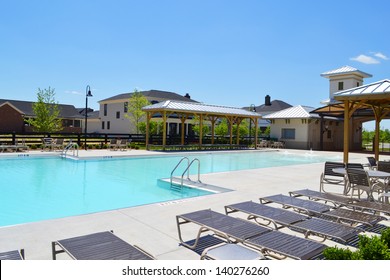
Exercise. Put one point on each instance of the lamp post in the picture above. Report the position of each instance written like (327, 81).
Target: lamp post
(252, 108)
(87, 94)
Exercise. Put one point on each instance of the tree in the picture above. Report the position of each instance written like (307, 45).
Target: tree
(46, 112)
(222, 129)
(155, 128)
(134, 109)
(196, 126)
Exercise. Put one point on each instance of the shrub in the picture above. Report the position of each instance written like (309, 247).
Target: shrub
(370, 248)
(373, 248)
(334, 253)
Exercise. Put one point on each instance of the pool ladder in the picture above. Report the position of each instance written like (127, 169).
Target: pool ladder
(176, 187)
(73, 146)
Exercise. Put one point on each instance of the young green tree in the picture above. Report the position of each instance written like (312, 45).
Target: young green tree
(196, 126)
(222, 128)
(154, 127)
(46, 112)
(134, 109)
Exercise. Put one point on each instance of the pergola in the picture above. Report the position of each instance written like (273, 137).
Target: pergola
(370, 101)
(205, 112)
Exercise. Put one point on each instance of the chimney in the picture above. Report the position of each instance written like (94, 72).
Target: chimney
(187, 96)
(267, 100)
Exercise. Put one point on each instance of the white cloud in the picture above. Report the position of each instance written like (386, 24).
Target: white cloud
(366, 59)
(74, 92)
(381, 56)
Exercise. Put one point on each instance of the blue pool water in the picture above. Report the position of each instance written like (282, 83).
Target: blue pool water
(34, 189)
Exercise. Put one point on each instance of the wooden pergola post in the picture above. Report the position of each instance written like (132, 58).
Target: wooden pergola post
(200, 130)
(256, 132)
(239, 120)
(164, 129)
(182, 132)
(148, 117)
(346, 131)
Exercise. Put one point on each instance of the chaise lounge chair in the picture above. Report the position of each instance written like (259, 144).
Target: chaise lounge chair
(348, 202)
(12, 255)
(269, 242)
(298, 222)
(99, 246)
(314, 208)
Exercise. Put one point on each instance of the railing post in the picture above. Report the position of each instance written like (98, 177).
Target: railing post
(79, 139)
(13, 138)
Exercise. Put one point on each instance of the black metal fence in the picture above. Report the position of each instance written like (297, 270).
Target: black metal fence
(99, 141)
(93, 140)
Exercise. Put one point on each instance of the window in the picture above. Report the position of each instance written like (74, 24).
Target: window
(329, 134)
(102, 125)
(108, 125)
(118, 115)
(287, 121)
(77, 123)
(341, 85)
(288, 133)
(358, 84)
(125, 107)
(105, 109)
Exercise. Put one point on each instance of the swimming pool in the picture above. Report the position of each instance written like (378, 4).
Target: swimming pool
(34, 189)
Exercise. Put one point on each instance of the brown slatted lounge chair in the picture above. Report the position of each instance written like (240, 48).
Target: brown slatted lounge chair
(314, 208)
(238, 230)
(348, 202)
(12, 255)
(304, 206)
(337, 200)
(278, 217)
(286, 245)
(99, 246)
(331, 177)
(284, 218)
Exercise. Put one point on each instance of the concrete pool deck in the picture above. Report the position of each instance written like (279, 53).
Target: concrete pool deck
(153, 227)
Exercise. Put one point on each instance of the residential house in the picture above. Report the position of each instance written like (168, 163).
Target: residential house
(113, 112)
(14, 112)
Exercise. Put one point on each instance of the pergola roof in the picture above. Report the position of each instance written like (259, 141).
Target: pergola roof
(375, 91)
(204, 111)
(199, 108)
(374, 94)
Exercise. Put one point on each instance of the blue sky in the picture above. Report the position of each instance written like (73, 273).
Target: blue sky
(220, 52)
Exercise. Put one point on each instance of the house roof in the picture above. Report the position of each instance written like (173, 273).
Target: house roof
(345, 70)
(152, 94)
(179, 106)
(276, 105)
(26, 108)
(296, 112)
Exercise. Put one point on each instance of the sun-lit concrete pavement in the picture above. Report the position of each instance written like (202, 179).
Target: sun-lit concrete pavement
(153, 227)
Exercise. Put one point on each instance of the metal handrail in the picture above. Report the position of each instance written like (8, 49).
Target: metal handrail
(177, 165)
(188, 170)
(68, 147)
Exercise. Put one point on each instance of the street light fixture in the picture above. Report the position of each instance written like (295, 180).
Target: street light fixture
(87, 94)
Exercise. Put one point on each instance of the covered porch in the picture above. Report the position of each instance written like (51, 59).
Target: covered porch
(205, 114)
(364, 103)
